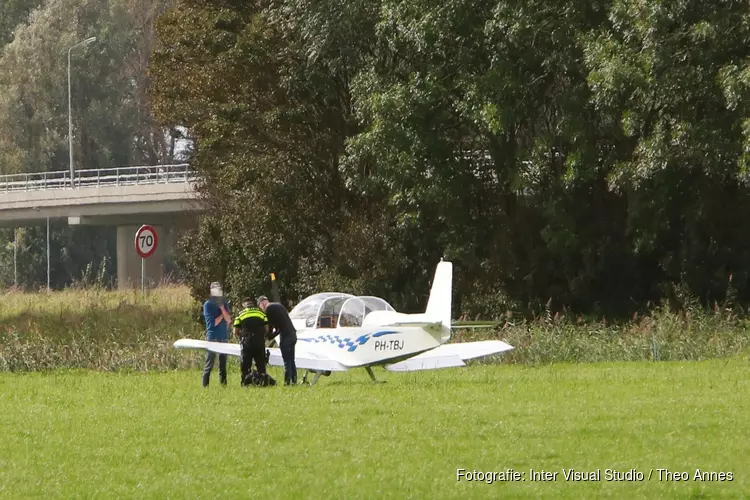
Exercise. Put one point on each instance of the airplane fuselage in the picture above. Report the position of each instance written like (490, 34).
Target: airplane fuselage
(366, 345)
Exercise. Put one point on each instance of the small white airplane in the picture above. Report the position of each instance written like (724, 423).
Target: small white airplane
(338, 331)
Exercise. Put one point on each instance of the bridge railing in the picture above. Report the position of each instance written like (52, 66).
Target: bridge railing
(113, 176)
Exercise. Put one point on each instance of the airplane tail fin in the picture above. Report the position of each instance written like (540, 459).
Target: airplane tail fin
(440, 301)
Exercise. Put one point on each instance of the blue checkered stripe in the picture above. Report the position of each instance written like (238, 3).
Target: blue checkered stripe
(345, 342)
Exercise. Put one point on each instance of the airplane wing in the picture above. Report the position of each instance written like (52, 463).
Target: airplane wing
(307, 361)
(219, 347)
(432, 362)
(450, 355)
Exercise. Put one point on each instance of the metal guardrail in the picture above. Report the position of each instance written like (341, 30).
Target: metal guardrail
(113, 176)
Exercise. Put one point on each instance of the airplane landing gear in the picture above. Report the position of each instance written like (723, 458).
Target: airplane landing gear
(372, 376)
(316, 377)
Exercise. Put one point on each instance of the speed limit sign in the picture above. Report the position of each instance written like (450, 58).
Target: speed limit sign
(146, 241)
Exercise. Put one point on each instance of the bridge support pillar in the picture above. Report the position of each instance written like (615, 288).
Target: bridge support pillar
(129, 262)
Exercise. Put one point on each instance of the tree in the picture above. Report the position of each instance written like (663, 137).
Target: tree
(270, 119)
(13, 13)
(549, 149)
(666, 76)
(112, 119)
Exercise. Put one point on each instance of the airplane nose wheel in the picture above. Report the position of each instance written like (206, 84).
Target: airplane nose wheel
(315, 378)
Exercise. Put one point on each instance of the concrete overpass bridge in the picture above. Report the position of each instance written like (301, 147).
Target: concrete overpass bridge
(163, 196)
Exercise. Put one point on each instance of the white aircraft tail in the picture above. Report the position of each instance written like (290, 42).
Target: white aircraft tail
(437, 316)
(440, 301)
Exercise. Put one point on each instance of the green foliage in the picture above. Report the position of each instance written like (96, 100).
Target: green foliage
(592, 155)
(112, 121)
(668, 73)
(96, 329)
(112, 330)
(77, 255)
(277, 118)
(13, 13)
(108, 80)
(483, 141)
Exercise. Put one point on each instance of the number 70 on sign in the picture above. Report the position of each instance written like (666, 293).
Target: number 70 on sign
(146, 241)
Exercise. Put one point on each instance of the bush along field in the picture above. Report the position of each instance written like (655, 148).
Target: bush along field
(97, 329)
(121, 330)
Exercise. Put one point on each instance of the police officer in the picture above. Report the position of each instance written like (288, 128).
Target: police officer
(251, 326)
(279, 319)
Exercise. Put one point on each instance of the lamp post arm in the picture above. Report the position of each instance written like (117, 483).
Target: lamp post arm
(70, 110)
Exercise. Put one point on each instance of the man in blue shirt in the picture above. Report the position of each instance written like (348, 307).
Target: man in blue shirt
(216, 314)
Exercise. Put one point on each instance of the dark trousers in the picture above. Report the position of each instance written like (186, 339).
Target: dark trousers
(287, 354)
(210, 357)
(253, 348)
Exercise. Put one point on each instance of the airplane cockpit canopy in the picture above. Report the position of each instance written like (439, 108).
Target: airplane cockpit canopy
(310, 309)
(335, 309)
(354, 310)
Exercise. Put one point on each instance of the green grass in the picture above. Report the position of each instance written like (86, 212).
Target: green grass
(68, 434)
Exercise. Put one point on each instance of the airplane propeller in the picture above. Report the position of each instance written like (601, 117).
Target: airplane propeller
(275, 289)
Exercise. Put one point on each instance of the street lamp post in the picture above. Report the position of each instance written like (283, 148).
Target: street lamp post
(48, 289)
(15, 257)
(70, 115)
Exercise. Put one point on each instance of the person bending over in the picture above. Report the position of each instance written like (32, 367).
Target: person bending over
(279, 319)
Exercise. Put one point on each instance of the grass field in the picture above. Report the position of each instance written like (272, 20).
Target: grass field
(68, 434)
(95, 402)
